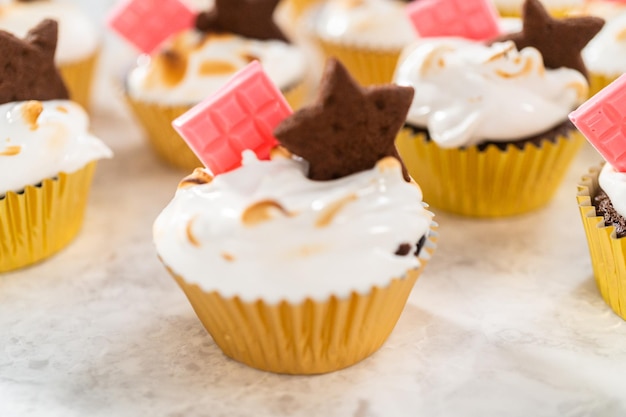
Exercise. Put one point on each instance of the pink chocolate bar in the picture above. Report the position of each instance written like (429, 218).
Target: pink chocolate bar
(471, 19)
(602, 119)
(241, 115)
(147, 23)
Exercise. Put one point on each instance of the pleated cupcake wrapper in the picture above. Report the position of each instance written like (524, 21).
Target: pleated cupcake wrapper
(311, 337)
(608, 253)
(42, 219)
(554, 12)
(170, 147)
(78, 77)
(488, 183)
(368, 65)
(598, 81)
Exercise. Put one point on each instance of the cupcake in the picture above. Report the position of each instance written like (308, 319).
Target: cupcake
(47, 155)
(605, 55)
(367, 36)
(601, 196)
(198, 61)
(602, 192)
(78, 43)
(302, 263)
(557, 8)
(487, 134)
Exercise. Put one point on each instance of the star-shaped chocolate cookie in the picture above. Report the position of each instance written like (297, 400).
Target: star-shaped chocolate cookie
(248, 18)
(559, 40)
(348, 128)
(27, 69)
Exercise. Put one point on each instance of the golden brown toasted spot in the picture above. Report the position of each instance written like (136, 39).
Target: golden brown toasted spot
(199, 177)
(249, 57)
(30, 112)
(190, 236)
(170, 67)
(501, 54)
(62, 109)
(433, 59)
(581, 89)
(280, 152)
(306, 251)
(621, 35)
(212, 36)
(262, 211)
(227, 256)
(328, 214)
(388, 163)
(11, 150)
(353, 3)
(526, 69)
(208, 68)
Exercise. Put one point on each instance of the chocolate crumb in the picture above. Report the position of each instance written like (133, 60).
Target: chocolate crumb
(605, 208)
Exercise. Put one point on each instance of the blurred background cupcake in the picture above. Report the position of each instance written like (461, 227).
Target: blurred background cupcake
(487, 134)
(605, 55)
(47, 156)
(367, 36)
(78, 44)
(196, 62)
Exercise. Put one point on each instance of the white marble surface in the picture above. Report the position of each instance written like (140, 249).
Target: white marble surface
(506, 321)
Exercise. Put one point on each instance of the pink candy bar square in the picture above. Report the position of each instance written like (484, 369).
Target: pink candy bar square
(471, 19)
(602, 119)
(147, 23)
(241, 115)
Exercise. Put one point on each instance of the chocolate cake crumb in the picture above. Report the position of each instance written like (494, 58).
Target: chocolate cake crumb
(605, 208)
(403, 250)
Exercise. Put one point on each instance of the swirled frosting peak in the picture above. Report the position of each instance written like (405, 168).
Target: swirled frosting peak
(467, 93)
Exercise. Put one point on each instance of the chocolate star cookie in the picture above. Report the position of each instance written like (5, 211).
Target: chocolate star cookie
(248, 18)
(27, 65)
(559, 40)
(348, 128)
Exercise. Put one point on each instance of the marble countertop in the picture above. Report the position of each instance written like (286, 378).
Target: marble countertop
(505, 321)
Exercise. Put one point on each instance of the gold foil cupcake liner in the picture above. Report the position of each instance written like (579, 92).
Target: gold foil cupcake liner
(43, 219)
(78, 77)
(368, 65)
(169, 146)
(554, 12)
(608, 253)
(311, 337)
(487, 183)
(598, 81)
